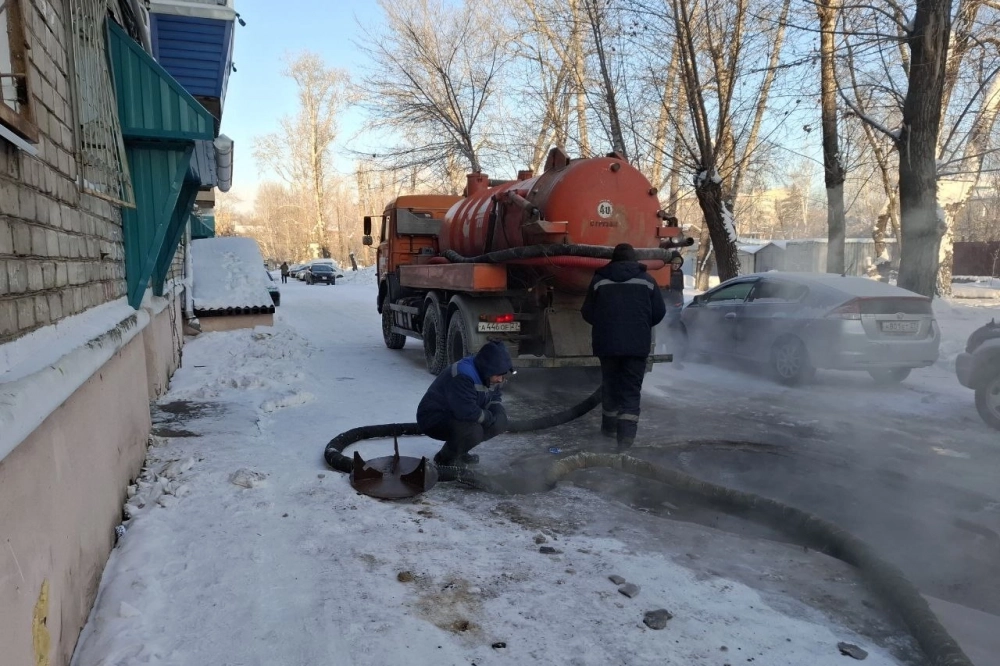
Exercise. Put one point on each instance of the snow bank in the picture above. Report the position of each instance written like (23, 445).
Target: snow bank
(228, 273)
(366, 275)
(39, 371)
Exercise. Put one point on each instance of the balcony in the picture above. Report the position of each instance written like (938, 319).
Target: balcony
(193, 41)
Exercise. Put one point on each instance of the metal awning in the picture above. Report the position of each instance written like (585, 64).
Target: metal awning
(162, 125)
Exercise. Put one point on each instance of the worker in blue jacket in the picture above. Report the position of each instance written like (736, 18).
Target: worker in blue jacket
(623, 304)
(464, 406)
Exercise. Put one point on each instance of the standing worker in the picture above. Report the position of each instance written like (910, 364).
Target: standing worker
(284, 272)
(623, 305)
(463, 406)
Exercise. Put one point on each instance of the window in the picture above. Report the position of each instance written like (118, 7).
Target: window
(734, 293)
(772, 291)
(15, 101)
(104, 171)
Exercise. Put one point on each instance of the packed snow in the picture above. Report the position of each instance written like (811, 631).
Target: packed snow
(242, 547)
(228, 273)
(39, 371)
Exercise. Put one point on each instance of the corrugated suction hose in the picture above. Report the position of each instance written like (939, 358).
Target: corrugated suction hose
(885, 578)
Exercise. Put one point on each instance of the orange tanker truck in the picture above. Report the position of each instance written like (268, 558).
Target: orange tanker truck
(512, 260)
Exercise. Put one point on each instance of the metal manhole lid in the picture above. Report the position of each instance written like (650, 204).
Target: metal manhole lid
(393, 477)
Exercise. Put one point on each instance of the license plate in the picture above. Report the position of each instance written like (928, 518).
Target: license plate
(900, 326)
(498, 327)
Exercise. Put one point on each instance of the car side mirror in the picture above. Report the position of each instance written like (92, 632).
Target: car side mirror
(368, 225)
(367, 240)
(696, 300)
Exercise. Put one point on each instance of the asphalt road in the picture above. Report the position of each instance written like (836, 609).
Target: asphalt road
(910, 469)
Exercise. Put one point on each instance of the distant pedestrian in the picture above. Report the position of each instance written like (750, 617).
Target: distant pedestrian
(284, 272)
(623, 304)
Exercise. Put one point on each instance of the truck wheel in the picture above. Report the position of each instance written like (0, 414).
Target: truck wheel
(988, 402)
(435, 339)
(392, 340)
(458, 338)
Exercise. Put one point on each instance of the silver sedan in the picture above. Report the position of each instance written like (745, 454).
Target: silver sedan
(794, 323)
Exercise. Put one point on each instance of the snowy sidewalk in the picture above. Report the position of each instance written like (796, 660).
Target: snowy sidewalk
(244, 549)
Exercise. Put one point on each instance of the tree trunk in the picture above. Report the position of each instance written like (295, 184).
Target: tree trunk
(596, 17)
(921, 225)
(580, 69)
(718, 220)
(833, 170)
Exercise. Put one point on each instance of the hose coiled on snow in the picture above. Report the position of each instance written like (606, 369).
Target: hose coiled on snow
(335, 458)
(885, 578)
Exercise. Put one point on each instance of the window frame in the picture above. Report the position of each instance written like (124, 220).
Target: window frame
(766, 282)
(22, 122)
(732, 301)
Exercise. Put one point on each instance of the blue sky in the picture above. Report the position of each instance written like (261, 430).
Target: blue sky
(258, 95)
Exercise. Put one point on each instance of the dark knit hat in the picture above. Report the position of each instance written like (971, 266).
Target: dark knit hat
(493, 359)
(623, 252)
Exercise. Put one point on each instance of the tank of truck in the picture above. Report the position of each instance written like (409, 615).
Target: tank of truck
(597, 201)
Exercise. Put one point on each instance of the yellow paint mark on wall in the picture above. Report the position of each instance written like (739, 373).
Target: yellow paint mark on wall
(39, 627)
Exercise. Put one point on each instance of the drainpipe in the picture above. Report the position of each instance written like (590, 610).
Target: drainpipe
(188, 277)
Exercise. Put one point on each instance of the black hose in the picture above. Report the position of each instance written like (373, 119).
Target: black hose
(887, 580)
(899, 593)
(558, 250)
(335, 458)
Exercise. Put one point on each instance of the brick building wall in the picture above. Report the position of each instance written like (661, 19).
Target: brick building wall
(60, 249)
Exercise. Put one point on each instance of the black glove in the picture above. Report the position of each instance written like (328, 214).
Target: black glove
(499, 415)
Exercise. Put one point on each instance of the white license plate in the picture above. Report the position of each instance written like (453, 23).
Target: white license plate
(497, 327)
(900, 326)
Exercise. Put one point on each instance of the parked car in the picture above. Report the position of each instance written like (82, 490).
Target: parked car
(295, 270)
(978, 368)
(272, 289)
(794, 323)
(321, 273)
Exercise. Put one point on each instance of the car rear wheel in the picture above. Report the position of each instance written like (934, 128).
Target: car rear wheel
(988, 402)
(790, 361)
(889, 376)
(392, 340)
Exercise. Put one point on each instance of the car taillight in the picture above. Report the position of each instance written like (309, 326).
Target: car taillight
(849, 310)
(497, 318)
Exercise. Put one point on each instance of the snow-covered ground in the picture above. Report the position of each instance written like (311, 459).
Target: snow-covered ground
(243, 548)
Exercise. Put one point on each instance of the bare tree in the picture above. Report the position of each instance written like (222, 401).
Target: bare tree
(717, 49)
(943, 119)
(300, 153)
(434, 73)
(833, 169)
(597, 13)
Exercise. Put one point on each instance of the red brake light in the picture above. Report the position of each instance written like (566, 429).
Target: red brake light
(849, 310)
(498, 318)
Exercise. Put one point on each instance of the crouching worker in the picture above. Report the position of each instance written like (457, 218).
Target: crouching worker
(463, 405)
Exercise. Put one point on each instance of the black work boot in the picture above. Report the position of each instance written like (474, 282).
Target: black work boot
(609, 425)
(624, 444)
(469, 459)
(627, 428)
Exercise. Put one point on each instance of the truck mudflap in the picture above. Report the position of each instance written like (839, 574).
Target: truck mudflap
(578, 361)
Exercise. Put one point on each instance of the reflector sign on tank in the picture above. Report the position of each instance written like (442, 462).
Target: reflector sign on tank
(393, 477)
